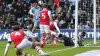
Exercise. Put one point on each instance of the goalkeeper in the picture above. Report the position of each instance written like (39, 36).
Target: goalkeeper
(80, 38)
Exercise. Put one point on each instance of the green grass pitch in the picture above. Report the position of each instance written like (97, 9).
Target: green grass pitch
(59, 50)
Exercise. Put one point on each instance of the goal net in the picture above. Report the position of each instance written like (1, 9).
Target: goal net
(89, 21)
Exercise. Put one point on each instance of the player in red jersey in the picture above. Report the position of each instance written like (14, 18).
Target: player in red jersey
(45, 18)
(20, 42)
(53, 26)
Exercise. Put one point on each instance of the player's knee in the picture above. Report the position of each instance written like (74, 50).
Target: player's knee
(33, 45)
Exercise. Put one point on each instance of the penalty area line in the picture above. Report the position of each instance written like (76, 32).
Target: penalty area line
(61, 50)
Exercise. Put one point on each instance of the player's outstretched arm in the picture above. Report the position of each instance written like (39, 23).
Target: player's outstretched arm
(57, 28)
(30, 12)
(7, 48)
(29, 35)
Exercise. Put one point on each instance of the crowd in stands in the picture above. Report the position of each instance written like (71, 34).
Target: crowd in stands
(86, 14)
(14, 12)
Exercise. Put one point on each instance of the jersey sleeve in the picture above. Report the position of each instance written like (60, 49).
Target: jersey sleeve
(29, 35)
(57, 28)
(31, 11)
(49, 12)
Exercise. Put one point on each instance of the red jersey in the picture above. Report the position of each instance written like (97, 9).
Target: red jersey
(44, 17)
(17, 37)
(52, 27)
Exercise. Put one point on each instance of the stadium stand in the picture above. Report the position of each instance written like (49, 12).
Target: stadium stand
(16, 12)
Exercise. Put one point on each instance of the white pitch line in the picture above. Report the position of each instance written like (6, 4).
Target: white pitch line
(60, 50)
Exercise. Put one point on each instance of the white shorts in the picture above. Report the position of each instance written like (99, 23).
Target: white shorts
(53, 33)
(24, 44)
(44, 29)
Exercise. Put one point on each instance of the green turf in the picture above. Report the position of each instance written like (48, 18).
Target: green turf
(69, 52)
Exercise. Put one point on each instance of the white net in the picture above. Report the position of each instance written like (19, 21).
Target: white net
(98, 21)
(85, 14)
(85, 20)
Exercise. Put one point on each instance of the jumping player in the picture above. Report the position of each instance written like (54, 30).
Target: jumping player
(53, 26)
(45, 18)
(20, 42)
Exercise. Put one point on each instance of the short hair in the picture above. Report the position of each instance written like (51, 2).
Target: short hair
(44, 5)
(15, 27)
(35, 3)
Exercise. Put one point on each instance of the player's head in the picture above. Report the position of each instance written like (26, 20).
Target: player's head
(83, 34)
(44, 5)
(35, 4)
(15, 27)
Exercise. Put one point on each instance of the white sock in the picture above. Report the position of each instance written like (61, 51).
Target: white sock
(39, 50)
(55, 39)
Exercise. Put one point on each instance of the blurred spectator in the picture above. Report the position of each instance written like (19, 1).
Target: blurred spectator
(33, 1)
(19, 10)
(21, 25)
(85, 13)
(27, 2)
(58, 9)
(8, 1)
(64, 10)
(56, 2)
(28, 21)
(25, 10)
(1, 22)
(8, 21)
(62, 3)
(15, 13)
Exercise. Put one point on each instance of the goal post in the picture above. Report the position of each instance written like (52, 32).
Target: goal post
(94, 16)
(76, 22)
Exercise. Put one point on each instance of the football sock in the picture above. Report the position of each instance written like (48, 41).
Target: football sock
(55, 39)
(39, 50)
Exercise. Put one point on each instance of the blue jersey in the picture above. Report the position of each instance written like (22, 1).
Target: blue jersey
(35, 11)
(30, 33)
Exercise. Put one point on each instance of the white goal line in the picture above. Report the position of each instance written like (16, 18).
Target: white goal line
(60, 50)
